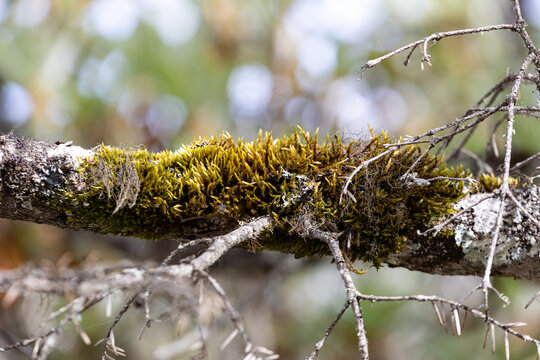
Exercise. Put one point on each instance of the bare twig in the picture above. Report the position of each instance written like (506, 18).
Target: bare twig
(218, 247)
(108, 340)
(183, 246)
(331, 240)
(231, 311)
(522, 208)
(165, 262)
(413, 166)
(535, 296)
(521, 29)
(505, 189)
(98, 283)
(251, 351)
(315, 354)
(458, 148)
(80, 307)
(481, 163)
(479, 116)
(435, 37)
(454, 305)
(520, 164)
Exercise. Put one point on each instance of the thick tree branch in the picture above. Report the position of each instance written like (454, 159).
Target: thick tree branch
(34, 177)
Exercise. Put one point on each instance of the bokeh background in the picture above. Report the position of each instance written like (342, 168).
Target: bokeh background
(159, 73)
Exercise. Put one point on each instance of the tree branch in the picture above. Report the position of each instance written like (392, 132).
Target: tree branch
(34, 177)
(87, 282)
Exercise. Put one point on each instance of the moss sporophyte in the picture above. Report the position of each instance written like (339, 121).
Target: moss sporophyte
(145, 194)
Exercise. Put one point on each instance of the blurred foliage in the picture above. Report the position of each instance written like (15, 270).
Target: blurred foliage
(97, 70)
(160, 73)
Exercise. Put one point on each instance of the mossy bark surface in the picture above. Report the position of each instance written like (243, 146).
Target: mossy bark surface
(153, 195)
(212, 186)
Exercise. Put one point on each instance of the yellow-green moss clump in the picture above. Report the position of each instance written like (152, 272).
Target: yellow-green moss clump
(490, 182)
(139, 193)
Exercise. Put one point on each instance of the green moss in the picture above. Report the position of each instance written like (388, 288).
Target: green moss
(490, 182)
(144, 194)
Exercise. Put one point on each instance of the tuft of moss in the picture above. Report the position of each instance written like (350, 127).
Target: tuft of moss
(144, 194)
(490, 182)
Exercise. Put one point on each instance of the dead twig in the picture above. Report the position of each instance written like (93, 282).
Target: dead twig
(331, 240)
(435, 37)
(315, 354)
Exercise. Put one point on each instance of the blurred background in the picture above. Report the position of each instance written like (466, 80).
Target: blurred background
(159, 73)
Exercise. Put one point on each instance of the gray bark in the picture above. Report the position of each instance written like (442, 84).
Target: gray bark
(34, 176)
(465, 252)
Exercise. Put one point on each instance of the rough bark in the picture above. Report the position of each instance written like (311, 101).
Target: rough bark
(35, 175)
(465, 251)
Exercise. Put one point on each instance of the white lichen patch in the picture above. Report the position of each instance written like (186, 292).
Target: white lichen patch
(517, 218)
(485, 215)
(75, 153)
(464, 236)
(475, 229)
(304, 186)
(6, 150)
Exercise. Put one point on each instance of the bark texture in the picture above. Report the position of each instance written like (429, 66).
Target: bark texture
(35, 175)
(33, 178)
(465, 251)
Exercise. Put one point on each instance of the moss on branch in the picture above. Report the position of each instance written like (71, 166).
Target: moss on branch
(144, 194)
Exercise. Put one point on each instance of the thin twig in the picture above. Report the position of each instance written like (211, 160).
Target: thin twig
(231, 311)
(485, 285)
(522, 30)
(454, 305)
(435, 37)
(522, 208)
(437, 228)
(460, 146)
(535, 296)
(433, 131)
(331, 240)
(108, 342)
(77, 310)
(481, 163)
(251, 351)
(315, 354)
(183, 246)
(520, 164)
